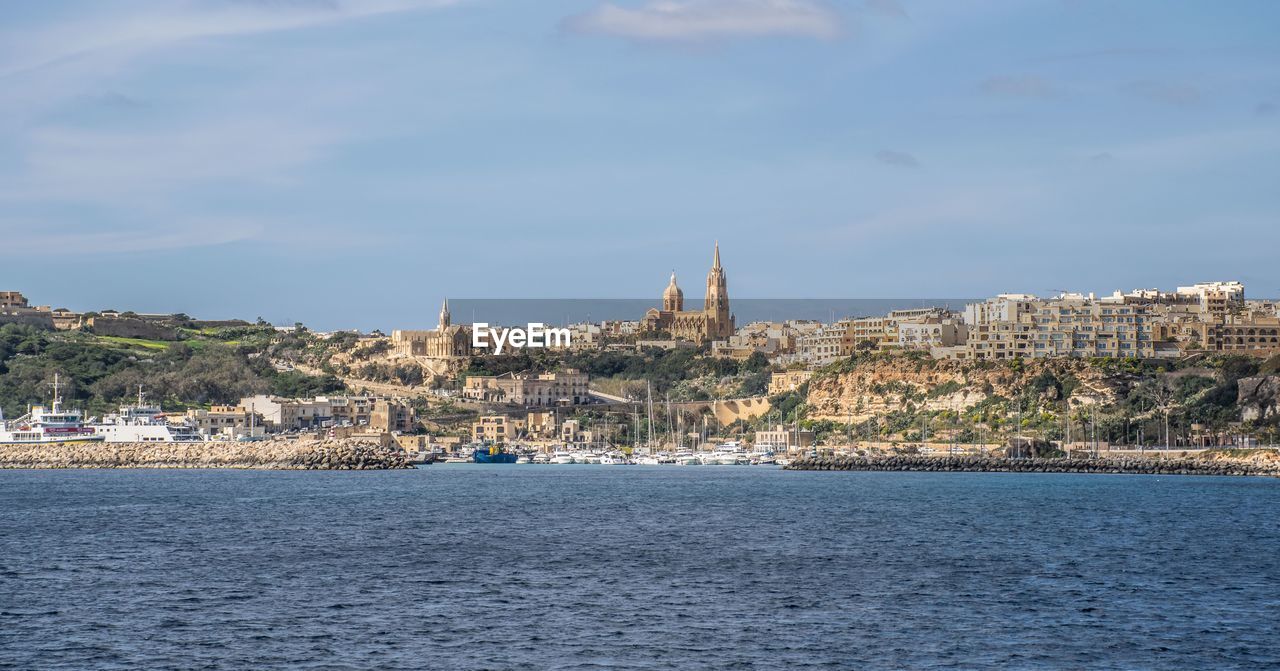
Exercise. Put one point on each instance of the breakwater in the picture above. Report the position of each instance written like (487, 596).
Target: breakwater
(1119, 465)
(339, 454)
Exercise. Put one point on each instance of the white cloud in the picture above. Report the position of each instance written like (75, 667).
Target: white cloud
(1017, 86)
(694, 20)
(175, 234)
(146, 170)
(140, 26)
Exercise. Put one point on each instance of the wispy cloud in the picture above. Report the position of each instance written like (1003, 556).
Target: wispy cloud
(973, 209)
(897, 158)
(140, 26)
(889, 8)
(1016, 86)
(177, 233)
(81, 165)
(695, 20)
(1165, 93)
(1193, 150)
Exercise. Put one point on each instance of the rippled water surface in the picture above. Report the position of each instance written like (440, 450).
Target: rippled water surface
(582, 567)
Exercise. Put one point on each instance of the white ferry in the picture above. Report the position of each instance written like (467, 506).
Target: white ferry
(142, 423)
(47, 426)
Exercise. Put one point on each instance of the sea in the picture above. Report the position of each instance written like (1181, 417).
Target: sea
(631, 567)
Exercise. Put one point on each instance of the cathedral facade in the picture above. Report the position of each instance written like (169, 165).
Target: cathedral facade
(447, 341)
(712, 322)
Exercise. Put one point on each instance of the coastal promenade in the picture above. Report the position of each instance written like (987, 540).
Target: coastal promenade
(279, 454)
(1258, 464)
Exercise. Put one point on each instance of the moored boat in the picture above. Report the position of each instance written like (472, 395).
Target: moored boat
(492, 454)
(47, 426)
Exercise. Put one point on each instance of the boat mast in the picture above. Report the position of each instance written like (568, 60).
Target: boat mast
(57, 399)
(670, 429)
(649, 396)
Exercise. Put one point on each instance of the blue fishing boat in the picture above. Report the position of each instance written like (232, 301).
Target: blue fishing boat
(492, 454)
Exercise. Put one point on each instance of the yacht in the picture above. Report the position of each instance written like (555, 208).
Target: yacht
(688, 459)
(562, 458)
(612, 460)
(648, 460)
(143, 423)
(762, 459)
(47, 426)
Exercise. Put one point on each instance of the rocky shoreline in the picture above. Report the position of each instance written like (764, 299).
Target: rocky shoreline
(973, 464)
(294, 455)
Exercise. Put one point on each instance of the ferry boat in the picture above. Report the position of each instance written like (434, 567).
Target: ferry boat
(142, 423)
(47, 426)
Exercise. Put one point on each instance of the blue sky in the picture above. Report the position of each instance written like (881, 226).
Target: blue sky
(349, 163)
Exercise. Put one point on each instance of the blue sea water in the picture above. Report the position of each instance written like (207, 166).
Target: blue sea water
(582, 567)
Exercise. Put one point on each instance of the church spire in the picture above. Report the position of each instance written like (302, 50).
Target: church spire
(444, 315)
(716, 263)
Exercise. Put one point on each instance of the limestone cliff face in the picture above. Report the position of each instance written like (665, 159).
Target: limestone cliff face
(881, 384)
(1259, 397)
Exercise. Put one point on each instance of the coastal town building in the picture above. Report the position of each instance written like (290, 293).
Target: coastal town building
(544, 390)
(1069, 325)
(225, 421)
(776, 340)
(497, 428)
(712, 322)
(783, 382)
(376, 413)
(824, 345)
(506, 427)
(779, 438)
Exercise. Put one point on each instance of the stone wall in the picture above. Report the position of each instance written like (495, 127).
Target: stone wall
(1129, 465)
(349, 454)
(129, 327)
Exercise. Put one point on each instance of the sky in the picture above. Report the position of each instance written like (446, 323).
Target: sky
(349, 163)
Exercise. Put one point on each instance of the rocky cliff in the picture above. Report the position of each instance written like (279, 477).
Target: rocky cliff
(269, 454)
(1259, 397)
(875, 385)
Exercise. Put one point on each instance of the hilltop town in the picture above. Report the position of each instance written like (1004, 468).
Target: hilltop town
(1194, 367)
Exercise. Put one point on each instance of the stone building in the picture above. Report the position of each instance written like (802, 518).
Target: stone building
(712, 322)
(14, 309)
(446, 341)
(563, 388)
(783, 382)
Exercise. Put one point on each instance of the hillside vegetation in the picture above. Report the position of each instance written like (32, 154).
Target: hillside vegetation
(98, 372)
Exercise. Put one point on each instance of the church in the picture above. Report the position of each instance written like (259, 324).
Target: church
(447, 341)
(712, 322)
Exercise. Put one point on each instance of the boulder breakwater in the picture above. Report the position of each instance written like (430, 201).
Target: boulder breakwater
(279, 454)
(995, 464)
